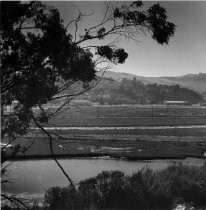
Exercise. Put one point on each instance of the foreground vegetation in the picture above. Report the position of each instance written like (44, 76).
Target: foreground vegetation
(146, 189)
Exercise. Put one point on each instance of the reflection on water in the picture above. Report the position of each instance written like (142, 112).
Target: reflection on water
(35, 176)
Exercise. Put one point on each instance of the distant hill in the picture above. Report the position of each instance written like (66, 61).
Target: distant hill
(133, 91)
(196, 82)
(124, 88)
(204, 95)
(118, 76)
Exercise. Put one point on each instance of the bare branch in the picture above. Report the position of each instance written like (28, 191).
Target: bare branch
(14, 200)
(104, 20)
(73, 96)
(66, 85)
(52, 151)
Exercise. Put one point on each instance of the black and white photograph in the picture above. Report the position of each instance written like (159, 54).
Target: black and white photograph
(103, 105)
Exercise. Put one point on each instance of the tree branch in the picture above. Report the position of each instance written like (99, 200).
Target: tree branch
(14, 200)
(52, 151)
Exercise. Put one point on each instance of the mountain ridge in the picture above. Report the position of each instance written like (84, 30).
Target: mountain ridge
(196, 82)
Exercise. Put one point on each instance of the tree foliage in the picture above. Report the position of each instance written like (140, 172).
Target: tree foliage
(41, 57)
(36, 52)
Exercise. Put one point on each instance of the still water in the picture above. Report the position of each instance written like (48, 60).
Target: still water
(35, 176)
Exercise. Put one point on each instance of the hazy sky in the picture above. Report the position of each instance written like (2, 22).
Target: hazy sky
(185, 54)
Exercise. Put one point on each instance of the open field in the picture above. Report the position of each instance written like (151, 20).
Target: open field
(150, 132)
(124, 116)
(124, 122)
(116, 139)
(131, 111)
(132, 147)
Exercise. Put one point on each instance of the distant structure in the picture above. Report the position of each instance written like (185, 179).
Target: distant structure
(179, 103)
(202, 104)
(81, 103)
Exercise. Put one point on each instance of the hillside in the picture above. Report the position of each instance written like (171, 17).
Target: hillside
(124, 88)
(121, 75)
(196, 82)
(204, 95)
(127, 91)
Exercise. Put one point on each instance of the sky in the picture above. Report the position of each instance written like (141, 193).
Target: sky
(185, 53)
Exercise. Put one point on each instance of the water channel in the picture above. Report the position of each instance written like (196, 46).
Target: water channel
(35, 176)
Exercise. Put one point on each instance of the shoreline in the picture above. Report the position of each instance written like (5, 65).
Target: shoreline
(101, 156)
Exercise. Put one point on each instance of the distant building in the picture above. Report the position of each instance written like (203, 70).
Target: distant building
(81, 103)
(180, 103)
(202, 104)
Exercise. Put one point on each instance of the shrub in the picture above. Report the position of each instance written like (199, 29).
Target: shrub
(59, 198)
(188, 183)
(150, 190)
(106, 190)
(145, 189)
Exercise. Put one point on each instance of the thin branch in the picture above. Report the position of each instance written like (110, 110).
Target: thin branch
(5, 181)
(10, 141)
(77, 20)
(14, 200)
(52, 151)
(28, 147)
(76, 26)
(66, 85)
(72, 96)
(104, 20)
(76, 94)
